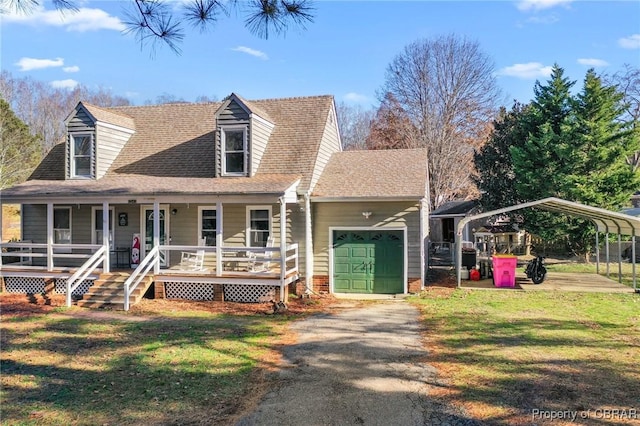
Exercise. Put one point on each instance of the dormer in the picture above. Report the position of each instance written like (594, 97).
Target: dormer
(243, 130)
(95, 137)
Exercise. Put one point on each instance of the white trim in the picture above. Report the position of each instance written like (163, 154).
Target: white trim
(72, 157)
(223, 153)
(115, 127)
(248, 221)
(405, 245)
(200, 209)
(53, 228)
(112, 225)
(363, 199)
(256, 117)
(143, 236)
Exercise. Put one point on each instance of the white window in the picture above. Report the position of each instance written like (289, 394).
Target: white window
(62, 225)
(81, 148)
(258, 225)
(96, 226)
(207, 222)
(234, 151)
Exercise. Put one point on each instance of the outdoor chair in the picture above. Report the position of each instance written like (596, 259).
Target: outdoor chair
(193, 261)
(261, 262)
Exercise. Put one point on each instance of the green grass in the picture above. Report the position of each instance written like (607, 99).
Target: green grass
(166, 370)
(507, 353)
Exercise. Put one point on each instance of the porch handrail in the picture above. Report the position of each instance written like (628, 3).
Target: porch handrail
(149, 261)
(98, 258)
(293, 256)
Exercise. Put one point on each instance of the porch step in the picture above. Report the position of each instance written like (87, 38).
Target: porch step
(108, 291)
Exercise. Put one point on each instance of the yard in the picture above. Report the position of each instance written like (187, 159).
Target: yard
(500, 355)
(164, 362)
(505, 354)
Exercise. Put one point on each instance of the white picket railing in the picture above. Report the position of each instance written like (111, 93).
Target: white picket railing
(150, 261)
(98, 258)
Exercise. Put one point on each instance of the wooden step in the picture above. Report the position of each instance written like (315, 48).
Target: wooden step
(108, 292)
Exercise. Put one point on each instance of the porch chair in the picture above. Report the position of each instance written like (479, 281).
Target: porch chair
(191, 261)
(259, 262)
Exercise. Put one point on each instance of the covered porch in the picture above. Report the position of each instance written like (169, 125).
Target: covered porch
(230, 241)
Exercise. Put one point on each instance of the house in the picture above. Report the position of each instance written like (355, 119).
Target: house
(235, 200)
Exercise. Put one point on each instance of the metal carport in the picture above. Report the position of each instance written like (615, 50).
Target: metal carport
(606, 221)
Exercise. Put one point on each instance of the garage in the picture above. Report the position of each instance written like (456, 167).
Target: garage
(368, 261)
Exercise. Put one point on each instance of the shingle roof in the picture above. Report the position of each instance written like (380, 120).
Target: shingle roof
(400, 173)
(150, 185)
(459, 207)
(177, 140)
(111, 117)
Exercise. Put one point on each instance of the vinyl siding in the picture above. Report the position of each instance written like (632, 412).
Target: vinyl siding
(385, 214)
(329, 144)
(109, 144)
(232, 115)
(260, 133)
(80, 123)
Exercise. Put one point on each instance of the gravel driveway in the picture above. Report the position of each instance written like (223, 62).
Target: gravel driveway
(363, 365)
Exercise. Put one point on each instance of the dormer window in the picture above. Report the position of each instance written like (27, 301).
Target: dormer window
(234, 151)
(81, 151)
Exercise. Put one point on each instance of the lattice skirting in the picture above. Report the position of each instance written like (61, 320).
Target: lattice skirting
(24, 285)
(61, 287)
(249, 293)
(188, 291)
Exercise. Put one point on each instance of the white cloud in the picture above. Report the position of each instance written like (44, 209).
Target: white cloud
(73, 68)
(543, 20)
(631, 42)
(28, 64)
(530, 70)
(84, 19)
(535, 5)
(64, 84)
(252, 52)
(593, 62)
(355, 98)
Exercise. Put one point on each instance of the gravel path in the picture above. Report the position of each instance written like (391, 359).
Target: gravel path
(361, 366)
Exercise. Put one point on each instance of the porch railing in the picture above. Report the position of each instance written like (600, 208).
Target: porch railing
(236, 260)
(98, 258)
(149, 262)
(21, 254)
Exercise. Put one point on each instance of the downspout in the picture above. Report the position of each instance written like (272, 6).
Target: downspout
(283, 245)
(308, 243)
(423, 260)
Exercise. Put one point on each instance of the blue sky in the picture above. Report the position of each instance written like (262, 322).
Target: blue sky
(344, 52)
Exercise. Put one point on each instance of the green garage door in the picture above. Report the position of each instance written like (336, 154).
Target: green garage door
(368, 262)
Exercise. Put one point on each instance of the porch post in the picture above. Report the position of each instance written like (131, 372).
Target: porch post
(156, 233)
(308, 252)
(105, 236)
(49, 236)
(219, 239)
(283, 245)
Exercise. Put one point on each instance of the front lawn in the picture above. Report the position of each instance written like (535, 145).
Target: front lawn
(505, 354)
(173, 365)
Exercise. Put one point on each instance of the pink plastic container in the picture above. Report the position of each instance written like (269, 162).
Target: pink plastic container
(504, 271)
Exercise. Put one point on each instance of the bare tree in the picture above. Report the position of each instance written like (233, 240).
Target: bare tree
(392, 127)
(627, 82)
(447, 88)
(44, 108)
(354, 123)
(159, 21)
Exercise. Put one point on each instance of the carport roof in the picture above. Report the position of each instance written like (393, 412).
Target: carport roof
(605, 220)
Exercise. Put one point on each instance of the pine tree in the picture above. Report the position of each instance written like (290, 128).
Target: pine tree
(20, 151)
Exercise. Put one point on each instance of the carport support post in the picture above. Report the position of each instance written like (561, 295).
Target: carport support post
(597, 252)
(606, 250)
(458, 260)
(633, 262)
(619, 258)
